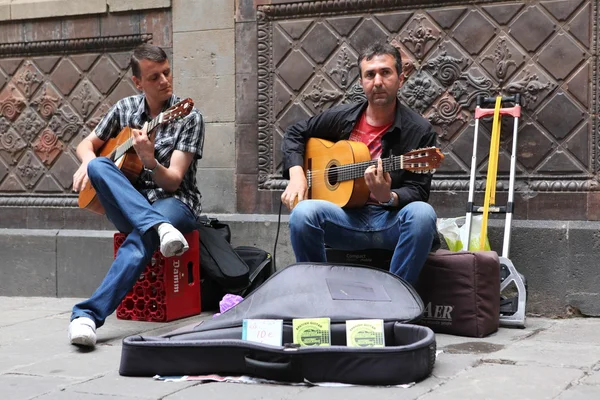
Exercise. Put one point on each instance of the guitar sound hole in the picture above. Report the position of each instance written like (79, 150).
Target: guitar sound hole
(332, 176)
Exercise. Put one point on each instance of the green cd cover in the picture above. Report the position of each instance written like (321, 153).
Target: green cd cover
(312, 331)
(365, 333)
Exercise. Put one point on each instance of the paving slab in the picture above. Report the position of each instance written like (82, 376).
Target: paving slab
(448, 365)
(503, 336)
(25, 387)
(76, 364)
(579, 392)
(501, 382)
(592, 379)
(228, 391)
(69, 394)
(578, 330)
(112, 384)
(10, 303)
(365, 392)
(16, 316)
(555, 354)
(549, 359)
(54, 305)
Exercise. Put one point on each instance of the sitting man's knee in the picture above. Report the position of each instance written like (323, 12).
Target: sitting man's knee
(304, 212)
(95, 165)
(420, 210)
(300, 212)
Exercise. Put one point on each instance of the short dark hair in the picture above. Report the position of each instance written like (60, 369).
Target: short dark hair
(146, 51)
(379, 49)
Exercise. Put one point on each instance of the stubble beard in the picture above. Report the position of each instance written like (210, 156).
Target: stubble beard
(382, 101)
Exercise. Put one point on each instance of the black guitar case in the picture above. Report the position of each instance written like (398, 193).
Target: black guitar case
(303, 290)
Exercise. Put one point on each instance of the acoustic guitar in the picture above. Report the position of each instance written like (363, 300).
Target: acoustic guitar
(335, 171)
(120, 150)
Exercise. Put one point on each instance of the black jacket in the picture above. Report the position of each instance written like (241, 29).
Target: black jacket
(408, 132)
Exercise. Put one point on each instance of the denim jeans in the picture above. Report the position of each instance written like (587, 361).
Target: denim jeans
(409, 232)
(131, 213)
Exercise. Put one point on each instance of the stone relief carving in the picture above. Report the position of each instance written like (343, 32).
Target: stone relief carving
(29, 125)
(12, 103)
(354, 94)
(468, 86)
(11, 146)
(48, 146)
(265, 93)
(445, 68)
(29, 170)
(98, 115)
(320, 96)
(47, 103)
(4, 125)
(420, 91)
(446, 112)
(73, 46)
(502, 59)
(419, 36)
(85, 98)
(530, 88)
(28, 79)
(444, 76)
(343, 68)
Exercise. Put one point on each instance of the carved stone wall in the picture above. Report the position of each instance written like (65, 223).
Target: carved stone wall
(452, 52)
(53, 92)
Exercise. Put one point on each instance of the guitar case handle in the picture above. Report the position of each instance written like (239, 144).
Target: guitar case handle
(269, 368)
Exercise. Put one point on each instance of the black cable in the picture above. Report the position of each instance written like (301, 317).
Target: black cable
(277, 236)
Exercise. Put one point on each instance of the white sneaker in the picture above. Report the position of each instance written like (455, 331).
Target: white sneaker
(82, 332)
(172, 242)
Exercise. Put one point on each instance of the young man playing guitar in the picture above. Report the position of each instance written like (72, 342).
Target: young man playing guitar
(160, 205)
(397, 216)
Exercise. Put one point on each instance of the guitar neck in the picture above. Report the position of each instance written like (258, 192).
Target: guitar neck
(350, 172)
(128, 144)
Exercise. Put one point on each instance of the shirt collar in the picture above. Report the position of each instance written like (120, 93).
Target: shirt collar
(144, 112)
(356, 113)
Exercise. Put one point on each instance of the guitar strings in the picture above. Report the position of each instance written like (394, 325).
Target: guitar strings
(178, 110)
(356, 170)
(128, 144)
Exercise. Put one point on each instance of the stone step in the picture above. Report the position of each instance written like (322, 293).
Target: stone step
(558, 258)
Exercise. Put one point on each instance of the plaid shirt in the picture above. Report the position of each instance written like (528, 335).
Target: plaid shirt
(185, 134)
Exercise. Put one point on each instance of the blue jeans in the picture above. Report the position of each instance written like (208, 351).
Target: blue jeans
(409, 232)
(131, 213)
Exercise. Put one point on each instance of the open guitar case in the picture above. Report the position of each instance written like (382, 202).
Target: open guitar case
(303, 290)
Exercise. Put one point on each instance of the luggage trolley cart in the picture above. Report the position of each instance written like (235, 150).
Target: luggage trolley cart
(512, 310)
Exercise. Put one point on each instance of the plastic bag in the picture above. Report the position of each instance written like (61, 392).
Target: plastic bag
(455, 236)
(228, 301)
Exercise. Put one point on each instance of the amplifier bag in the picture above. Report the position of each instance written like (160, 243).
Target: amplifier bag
(461, 292)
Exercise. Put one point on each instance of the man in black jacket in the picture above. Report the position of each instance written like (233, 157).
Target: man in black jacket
(397, 216)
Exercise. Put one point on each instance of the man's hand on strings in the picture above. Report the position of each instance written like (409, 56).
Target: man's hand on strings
(143, 145)
(378, 182)
(296, 189)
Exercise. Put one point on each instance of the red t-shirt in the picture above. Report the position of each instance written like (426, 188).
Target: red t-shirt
(371, 136)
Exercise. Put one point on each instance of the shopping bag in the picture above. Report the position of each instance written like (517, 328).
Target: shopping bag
(454, 231)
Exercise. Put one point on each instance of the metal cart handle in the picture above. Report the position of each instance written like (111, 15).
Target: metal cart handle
(482, 100)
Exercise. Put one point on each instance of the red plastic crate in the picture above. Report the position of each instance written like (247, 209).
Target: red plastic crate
(169, 287)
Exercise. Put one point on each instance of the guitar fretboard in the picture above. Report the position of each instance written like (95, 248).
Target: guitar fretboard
(357, 170)
(128, 144)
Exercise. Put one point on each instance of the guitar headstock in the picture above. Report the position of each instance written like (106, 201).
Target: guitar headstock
(181, 109)
(423, 161)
